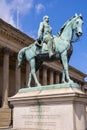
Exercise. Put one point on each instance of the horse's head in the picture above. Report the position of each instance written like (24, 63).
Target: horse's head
(77, 25)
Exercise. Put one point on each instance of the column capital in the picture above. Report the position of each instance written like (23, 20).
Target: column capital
(6, 50)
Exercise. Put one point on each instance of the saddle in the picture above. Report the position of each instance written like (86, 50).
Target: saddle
(42, 46)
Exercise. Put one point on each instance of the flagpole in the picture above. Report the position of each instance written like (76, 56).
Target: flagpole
(17, 25)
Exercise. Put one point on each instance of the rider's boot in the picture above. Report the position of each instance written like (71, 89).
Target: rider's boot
(50, 53)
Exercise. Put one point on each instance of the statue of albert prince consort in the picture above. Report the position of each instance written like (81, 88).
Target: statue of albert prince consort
(61, 45)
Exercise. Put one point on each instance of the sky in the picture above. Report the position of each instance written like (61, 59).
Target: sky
(26, 15)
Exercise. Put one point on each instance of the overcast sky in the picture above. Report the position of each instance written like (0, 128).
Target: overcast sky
(27, 14)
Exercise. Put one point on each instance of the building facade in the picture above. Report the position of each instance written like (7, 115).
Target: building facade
(12, 78)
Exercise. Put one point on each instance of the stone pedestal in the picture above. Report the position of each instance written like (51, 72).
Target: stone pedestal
(49, 109)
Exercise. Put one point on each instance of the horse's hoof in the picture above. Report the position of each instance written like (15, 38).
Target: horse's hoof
(28, 86)
(64, 82)
(39, 85)
(70, 81)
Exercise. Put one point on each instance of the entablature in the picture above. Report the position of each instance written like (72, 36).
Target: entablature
(13, 37)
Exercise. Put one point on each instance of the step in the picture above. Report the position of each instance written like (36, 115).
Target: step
(5, 117)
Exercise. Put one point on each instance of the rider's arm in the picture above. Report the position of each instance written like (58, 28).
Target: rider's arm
(40, 31)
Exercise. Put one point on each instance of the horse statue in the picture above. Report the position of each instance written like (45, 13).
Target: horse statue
(62, 48)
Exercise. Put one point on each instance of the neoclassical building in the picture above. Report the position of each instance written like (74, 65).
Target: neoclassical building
(12, 78)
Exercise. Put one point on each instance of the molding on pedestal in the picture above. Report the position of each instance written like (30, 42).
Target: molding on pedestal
(50, 95)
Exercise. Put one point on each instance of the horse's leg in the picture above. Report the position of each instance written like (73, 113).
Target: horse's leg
(29, 81)
(65, 65)
(32, 64)
(20, 57)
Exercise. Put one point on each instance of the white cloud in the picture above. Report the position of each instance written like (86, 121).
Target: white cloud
(8, 9)
(39, 7)
(5, 12)
(23, 6)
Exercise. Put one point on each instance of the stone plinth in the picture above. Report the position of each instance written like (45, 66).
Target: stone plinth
(49, 109)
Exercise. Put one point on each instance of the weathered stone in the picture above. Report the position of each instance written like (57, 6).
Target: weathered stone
(49, 109)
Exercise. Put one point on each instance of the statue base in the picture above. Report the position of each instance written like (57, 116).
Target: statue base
(49, 109)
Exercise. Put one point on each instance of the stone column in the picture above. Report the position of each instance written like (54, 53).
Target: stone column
(5, 78)
(84, 87)
(17, 77)
(44, 75)
(57, 78)
(51, 77)
(27, 72)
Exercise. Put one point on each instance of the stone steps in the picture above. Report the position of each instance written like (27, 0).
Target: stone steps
(6, 128)
(5, 118)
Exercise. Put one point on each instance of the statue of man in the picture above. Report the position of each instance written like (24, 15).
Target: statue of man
(45, 34)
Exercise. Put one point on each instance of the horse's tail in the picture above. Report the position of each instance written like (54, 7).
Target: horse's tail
(21, 54)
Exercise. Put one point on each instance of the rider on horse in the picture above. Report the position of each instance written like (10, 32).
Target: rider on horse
(45, 34)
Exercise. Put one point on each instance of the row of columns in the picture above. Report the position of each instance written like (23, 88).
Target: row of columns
(5, 87)
(50, 76)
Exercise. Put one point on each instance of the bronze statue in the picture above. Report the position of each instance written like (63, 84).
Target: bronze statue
(62, 48)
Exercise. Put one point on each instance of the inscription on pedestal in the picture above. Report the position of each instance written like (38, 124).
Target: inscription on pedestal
(36, 117)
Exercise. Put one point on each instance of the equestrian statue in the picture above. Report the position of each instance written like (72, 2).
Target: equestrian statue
(48, 47)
